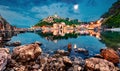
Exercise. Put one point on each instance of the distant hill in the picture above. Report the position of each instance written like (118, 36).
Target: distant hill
(4, 25)
(112, 17)
(50, 20)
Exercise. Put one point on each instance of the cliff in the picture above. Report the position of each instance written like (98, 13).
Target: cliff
(4, 25)
(112, 17)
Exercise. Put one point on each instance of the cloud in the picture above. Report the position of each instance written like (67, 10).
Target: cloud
(29, 12)
(4, 7)
(62, 9)
(15, 18)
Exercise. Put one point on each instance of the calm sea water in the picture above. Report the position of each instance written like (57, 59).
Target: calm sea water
(90, 43)
(52, 43)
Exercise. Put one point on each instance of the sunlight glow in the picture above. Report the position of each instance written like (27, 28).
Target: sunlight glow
(76, 6)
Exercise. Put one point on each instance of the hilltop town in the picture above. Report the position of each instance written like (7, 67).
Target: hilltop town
(55, 22)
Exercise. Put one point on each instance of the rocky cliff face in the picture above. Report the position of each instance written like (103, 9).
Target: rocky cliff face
(4, 25)
(112, 17)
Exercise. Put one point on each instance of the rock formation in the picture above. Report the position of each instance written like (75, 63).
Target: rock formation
(110, 55)
(4, 25)
(97, 64)
(26, 52)
(4, 55)
(31, 58)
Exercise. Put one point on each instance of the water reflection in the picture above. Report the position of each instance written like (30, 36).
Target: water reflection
(111, 39)
(6, 36)
(83, 39)
(54, 35)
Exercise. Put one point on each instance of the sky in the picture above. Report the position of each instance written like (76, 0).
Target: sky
(26, 13)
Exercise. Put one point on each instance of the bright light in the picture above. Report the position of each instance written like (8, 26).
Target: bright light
(76, 7)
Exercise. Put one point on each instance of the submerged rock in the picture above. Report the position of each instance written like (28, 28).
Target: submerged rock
(98, 56)
(110, 55)
(17, 43)
(97, 64)
(81, 50)
(4, 55)
(26, 52)
(39, 43)
(62, 52)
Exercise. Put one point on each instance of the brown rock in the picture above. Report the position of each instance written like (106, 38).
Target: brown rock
(75, 68)
(43, 60)
(26, 52)
(19, 68)
(62, 52)
(110, 55)
(69, 47)
(17, 43)
(81, 50)
(54, 64)
(39, 43)
(4, 55)
(97, 64)
(36, 66)
(67, 61)
(119, 49)
(98, 56)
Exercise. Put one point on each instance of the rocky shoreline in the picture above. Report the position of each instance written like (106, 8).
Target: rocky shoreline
(31, 58)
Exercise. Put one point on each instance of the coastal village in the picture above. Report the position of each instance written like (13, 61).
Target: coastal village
(62, 29)
(62, 25)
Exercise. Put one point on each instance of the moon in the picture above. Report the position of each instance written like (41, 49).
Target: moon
(76, 6)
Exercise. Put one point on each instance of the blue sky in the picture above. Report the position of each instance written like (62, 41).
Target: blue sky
(25, 13)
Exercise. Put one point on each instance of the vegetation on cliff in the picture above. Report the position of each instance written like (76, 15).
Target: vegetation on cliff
(112, 17)
(67, 21)
(43, 23)
(49, 21)
(112, 43)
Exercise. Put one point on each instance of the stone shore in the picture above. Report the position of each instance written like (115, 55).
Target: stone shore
(31, 58)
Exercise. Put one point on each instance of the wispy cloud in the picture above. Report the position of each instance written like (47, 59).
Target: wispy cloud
(29, 12)
(15, 18)
(62, 9)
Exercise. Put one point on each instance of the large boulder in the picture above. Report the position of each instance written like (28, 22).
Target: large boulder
(4, 55)
(26, 52)
(97, 64)
(110, 55)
